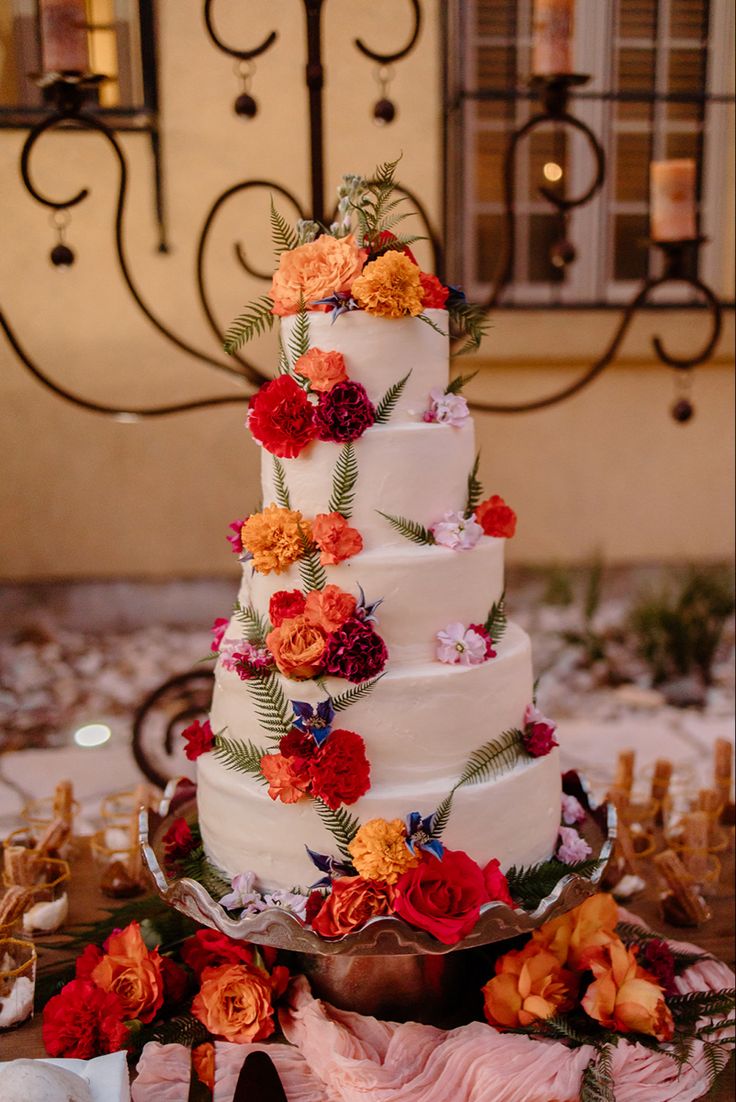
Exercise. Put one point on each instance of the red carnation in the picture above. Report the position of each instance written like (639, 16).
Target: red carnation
(281, 417)
(340, 774)
(434, 293)
(178, 840)
(210, 949)
(496, 518)
(539, 732)
(344, 413)
(287, 604)
(87, 961)
(442, 897)
(481, 630)
(300, 748)
(176, 981)
(199, 739)
(657, 957)
(83, 1021)
(355, 651)
(496, 883)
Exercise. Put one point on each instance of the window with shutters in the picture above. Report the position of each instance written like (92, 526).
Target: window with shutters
(661, 87)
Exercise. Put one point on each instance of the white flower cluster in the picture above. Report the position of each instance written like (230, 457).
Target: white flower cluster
(349, 195)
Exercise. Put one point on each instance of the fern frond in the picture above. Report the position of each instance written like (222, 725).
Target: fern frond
(271, 706)
(475, 490)
(701, 1004)
(717, 1054)
(352, 696)
(341, 824)
(442, 815)
(469, 320)
(432, 325)
(496, 622)
(257, 318)
(386, 406)
(299, 339)
(413, 531)
(459, 383)
(256, 626)
(530, 885)
(344, 479)
(196, 866)
(283, 235)
(243, 757)
(279, 483)
(596, 1084)
(561, 1027)
(401, 241)
(312, 572)
(494, 758)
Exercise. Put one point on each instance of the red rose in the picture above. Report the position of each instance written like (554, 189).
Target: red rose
(281, 417)
(341, 772)
(199, 739)
(287, 604)
(496, 518)
(176, 981)
(210, 949)
(87, 961)
(496, 883)
(82, 1022)
(434, 293)
(178, 840)
(315, 899)
(442, 897)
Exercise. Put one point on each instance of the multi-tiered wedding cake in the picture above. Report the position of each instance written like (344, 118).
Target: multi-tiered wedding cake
(372, 726)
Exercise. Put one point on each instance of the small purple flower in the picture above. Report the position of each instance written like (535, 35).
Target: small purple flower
(457, 532)
(331, 866)
(340, 303)
(344, 413)
(446, 409)
(572, 848)
(419, 835)
(461, 646)
(572, 810)
(315, 722)
(355, 651)
(367, 612)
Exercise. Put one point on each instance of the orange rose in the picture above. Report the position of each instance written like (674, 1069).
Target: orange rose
(323, 369)
(335, 538)
(529, 986)
(591, 924)
(330, 607)
(352, 902)
(203, 1062)
(297, 647)
(132, 972)
(234, 1002)
(623, 996)
(316, 270)
(283, 783)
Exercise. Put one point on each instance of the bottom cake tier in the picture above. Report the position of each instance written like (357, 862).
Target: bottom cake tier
(514, 818)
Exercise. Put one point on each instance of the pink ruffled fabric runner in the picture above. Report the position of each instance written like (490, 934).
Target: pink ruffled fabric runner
(338, 1056)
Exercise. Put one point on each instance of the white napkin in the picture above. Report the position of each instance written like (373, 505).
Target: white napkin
(106, 1076)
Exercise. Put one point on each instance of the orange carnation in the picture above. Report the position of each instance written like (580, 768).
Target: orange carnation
(234, 1002)
(132, 972)
(276, 538)
(350, 904)
(529, 986)
(330, 607)
(323, 369)
(335, 538)
(379, 851)
(389, 287)
(316, 270)
(297, 647)
(496, 518)
(623, 996)
(283, 782)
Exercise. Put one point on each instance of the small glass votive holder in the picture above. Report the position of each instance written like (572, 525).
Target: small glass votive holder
(39, 813)
(49, 903)
(17, 981)
(703, 866)
(120, 807)
(114, 858)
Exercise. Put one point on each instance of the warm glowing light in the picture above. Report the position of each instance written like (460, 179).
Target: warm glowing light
(92, 734)
(552, 172)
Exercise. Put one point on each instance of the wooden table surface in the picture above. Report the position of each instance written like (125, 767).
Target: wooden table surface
(86, 903)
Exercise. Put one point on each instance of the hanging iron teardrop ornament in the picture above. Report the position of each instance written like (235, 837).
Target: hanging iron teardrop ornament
(683, 410)
(245, 106)
(384, 112)
(61, 256)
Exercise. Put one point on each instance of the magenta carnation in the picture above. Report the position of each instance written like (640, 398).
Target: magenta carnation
(236, 540)
(538, 733)
(355, 651)
(656, 957)
(218, 629)
(479, 629)
(344, 413)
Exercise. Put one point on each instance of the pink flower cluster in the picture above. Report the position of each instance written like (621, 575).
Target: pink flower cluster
(461, 646)
(458, 532)
(446, 409)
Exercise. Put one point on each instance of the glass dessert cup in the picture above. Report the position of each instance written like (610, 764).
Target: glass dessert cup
(49, 904)
(114, 862)
(17, 981)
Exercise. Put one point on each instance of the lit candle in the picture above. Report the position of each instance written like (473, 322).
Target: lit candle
(672, 200)
(64, 36)
(552, 37)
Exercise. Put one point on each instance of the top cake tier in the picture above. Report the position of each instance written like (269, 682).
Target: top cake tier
(379, 352)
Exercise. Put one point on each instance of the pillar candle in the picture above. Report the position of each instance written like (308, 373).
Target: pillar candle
(64, 36)
(672, 199)
(552, 37)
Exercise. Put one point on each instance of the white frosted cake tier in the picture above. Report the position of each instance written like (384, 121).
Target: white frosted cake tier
(419, 722)
(514, 818)
(394, 462)
(423, 590)
(379, 351)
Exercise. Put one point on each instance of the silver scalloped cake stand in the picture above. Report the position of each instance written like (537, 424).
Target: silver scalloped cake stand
(388, 968)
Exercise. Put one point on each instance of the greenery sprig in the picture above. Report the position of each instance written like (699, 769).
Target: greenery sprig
(344, 480)
(387, 404)
(529, 885)
(467, 320)
(312, 572)
(352, 696)
(341, 824)
(299, 337)
(243, 757)
(271, 705)
(256, 626)
(411, 529)
(490, 760)
(597, 1083)
(456, 385)
(281, 490)
(496, 621)
(475, 489)
(257, 318)
(283, 235)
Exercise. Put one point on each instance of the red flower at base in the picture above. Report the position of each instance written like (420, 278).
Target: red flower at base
(340, 774)
(434, 293)
(496, 518)
(199, 739)
(210, 949)
(178, 841)
(176, 981)
(287, 604)
(442, 897)
(350, 904)
(82, 1022)
(281, 417)
(496, 883)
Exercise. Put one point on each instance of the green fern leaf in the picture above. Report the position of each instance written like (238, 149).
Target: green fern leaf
(561, 1027)
(475, 490)
(256, 626)
(717, 1054)
(299, 339)
(459, 383)
(688, 1009)
(341, 824)
(496, 622)
(494, 758)
(284, 237)
(312, 572)
(386, 406)
(596, 1084)
(467, 320)
(343, 482)
(530, 885)
(352, 696)
(243, 757)
(271, 706)
(257, 318)
(281, 490)
(432, 325)
(196, 866)
(442, 815)
(413, 531)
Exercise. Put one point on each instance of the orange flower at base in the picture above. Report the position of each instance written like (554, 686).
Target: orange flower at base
(275, 538)
(330, 607)
(529, 986)
(282, 781)
(335, 538)
(132, 972)
(323, 369)
(496, 518)
(297, 647)
(203, 1062)
(379, 851)
(592, 924)
(389, 287)
(350, 904)
(623, 996)
(234, 1002)
(316, 270)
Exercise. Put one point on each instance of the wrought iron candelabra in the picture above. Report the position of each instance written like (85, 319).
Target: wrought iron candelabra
(65, 96)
